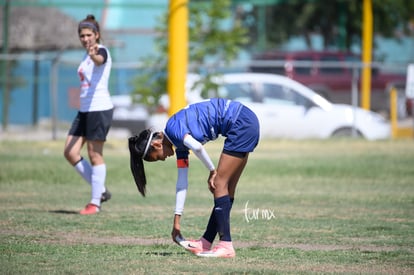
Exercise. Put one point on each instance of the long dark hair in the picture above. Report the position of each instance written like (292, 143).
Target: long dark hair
(139, 146)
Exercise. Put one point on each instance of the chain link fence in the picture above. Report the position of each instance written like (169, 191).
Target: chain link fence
(43, 89)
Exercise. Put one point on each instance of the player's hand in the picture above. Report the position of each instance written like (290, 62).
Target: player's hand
(176, 228)
(92, 49)
(211, 178)
(176, 234)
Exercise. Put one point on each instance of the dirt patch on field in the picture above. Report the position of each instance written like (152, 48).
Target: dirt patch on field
(75, 238)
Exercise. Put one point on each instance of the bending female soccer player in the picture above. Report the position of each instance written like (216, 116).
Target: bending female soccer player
(187, 130)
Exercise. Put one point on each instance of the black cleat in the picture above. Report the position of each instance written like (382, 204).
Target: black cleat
(106, 196)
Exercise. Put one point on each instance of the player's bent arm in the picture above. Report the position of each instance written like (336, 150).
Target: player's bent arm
(180, 195)
(199, 150)
(98, 56)
(181, 189)
(176, 231)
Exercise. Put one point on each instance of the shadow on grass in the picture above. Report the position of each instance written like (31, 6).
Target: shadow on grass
(61, 211)
(164, 254)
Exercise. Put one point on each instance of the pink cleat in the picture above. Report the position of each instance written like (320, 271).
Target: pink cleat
(90, 209)
(221, 250)
(196, 246)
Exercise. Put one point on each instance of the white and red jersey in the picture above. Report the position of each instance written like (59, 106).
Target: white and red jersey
(94, 95)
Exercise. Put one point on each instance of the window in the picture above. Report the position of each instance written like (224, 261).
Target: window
(273, 93)
(331, 68)
(236, 91)
(303, 68)
(278, 94)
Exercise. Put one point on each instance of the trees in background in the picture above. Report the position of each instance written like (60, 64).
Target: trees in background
(218, 31)
(215, 39)
(339, 22)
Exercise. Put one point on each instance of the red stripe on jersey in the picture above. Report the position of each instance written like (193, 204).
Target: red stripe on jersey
(182, 163)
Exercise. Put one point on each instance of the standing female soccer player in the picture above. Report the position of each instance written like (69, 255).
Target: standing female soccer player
(187, 130)
(92, 123)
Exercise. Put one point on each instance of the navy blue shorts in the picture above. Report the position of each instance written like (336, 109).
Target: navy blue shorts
(92, 125)
(244, 134)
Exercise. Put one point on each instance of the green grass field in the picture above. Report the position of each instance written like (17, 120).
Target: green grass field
(322, 207)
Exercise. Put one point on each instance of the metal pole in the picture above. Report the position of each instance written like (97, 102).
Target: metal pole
(53, 94)
(393, 112)
(177, 53)
(35, 110)
(366, 54)
(5, 64)
(354, 98)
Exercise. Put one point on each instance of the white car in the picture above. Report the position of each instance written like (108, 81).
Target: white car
(129, 115)
(288, 109)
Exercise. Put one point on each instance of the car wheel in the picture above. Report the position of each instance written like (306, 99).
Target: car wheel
(346, 132)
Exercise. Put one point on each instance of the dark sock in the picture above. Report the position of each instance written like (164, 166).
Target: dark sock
(210, 233)
(222, 208)
(211, 230)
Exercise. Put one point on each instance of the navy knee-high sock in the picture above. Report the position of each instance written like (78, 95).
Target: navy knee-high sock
(222, 207)
(211, 230)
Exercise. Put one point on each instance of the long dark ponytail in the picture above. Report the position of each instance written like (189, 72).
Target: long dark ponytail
(139, 146)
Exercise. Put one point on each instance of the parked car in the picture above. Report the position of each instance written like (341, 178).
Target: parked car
(129, 115)
(329, 73)
(288, 109)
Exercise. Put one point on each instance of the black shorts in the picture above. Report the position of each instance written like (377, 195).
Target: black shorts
(92, 125)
